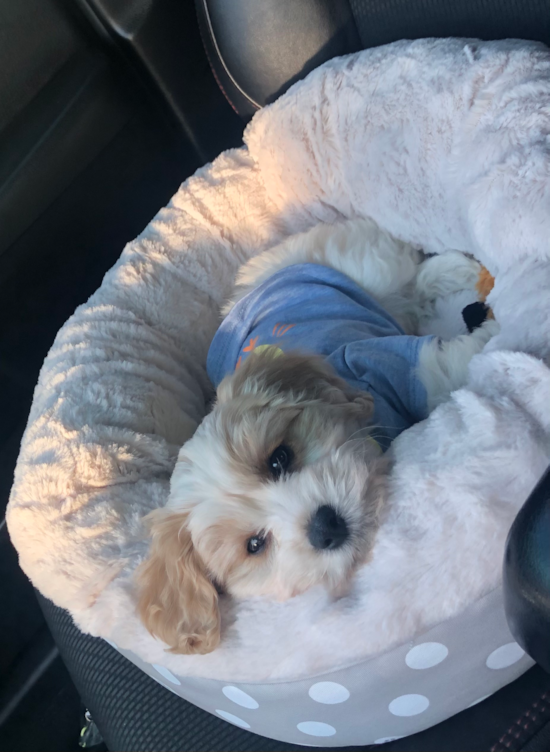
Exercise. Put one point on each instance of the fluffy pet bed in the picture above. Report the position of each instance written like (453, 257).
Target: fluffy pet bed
(444, 143)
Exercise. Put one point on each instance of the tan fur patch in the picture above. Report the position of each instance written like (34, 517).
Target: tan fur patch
(177, 601)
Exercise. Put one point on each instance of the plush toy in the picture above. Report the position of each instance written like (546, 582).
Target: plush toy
(476, 313)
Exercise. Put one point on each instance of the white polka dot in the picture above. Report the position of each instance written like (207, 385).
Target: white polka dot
(233, 719)
(476, 702)
(409, 705)
(316, 728)
(167, 674)
(111, 643)
(385, 739)
(426, 655)
(329, 693)
(505, 656)
(241, 698)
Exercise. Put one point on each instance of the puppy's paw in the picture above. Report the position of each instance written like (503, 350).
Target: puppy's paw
(480, 336)
(489, 329)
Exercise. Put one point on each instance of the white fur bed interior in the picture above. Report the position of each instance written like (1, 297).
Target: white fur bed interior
(443, 143)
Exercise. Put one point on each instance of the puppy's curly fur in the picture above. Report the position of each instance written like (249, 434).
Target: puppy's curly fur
(230, 522)
(222, 477)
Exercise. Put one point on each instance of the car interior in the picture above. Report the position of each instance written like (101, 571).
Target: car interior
(106, 107)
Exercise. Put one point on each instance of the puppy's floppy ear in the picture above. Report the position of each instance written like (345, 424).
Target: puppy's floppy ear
(177, 601)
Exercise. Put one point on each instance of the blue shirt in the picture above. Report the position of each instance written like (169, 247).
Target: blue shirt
(313, 308)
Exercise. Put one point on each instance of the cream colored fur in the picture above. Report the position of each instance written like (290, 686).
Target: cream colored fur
(220, 497)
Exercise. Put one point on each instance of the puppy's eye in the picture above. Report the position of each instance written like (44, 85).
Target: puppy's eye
(256, 544)
(280, 461)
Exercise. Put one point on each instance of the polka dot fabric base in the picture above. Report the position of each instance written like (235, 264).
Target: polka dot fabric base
(412, 687)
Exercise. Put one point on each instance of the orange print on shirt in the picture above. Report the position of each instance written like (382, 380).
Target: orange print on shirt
(282, 329)
(251, 345)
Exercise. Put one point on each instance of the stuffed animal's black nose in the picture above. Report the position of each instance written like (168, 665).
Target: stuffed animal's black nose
(474, 315)
(327, 529)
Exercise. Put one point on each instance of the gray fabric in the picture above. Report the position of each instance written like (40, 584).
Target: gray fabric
(401, 692)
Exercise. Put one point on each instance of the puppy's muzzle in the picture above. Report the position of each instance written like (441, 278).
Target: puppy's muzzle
(327, 530)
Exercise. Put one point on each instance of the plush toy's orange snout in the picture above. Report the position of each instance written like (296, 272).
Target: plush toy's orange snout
(485, 284)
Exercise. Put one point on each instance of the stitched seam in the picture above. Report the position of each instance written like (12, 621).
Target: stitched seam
(352, 14)
(220, 85)
(522, 723)
(222, 61)
(539, 709)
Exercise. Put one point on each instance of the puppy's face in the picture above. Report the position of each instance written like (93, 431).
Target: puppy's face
(276, 492)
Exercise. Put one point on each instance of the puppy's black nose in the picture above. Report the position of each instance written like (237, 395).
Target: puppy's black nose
(327, 530)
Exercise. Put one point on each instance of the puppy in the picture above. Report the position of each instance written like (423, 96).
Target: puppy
(318, 370)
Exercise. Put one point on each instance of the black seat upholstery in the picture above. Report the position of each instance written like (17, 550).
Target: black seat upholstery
(527, 575)
(258, 48)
